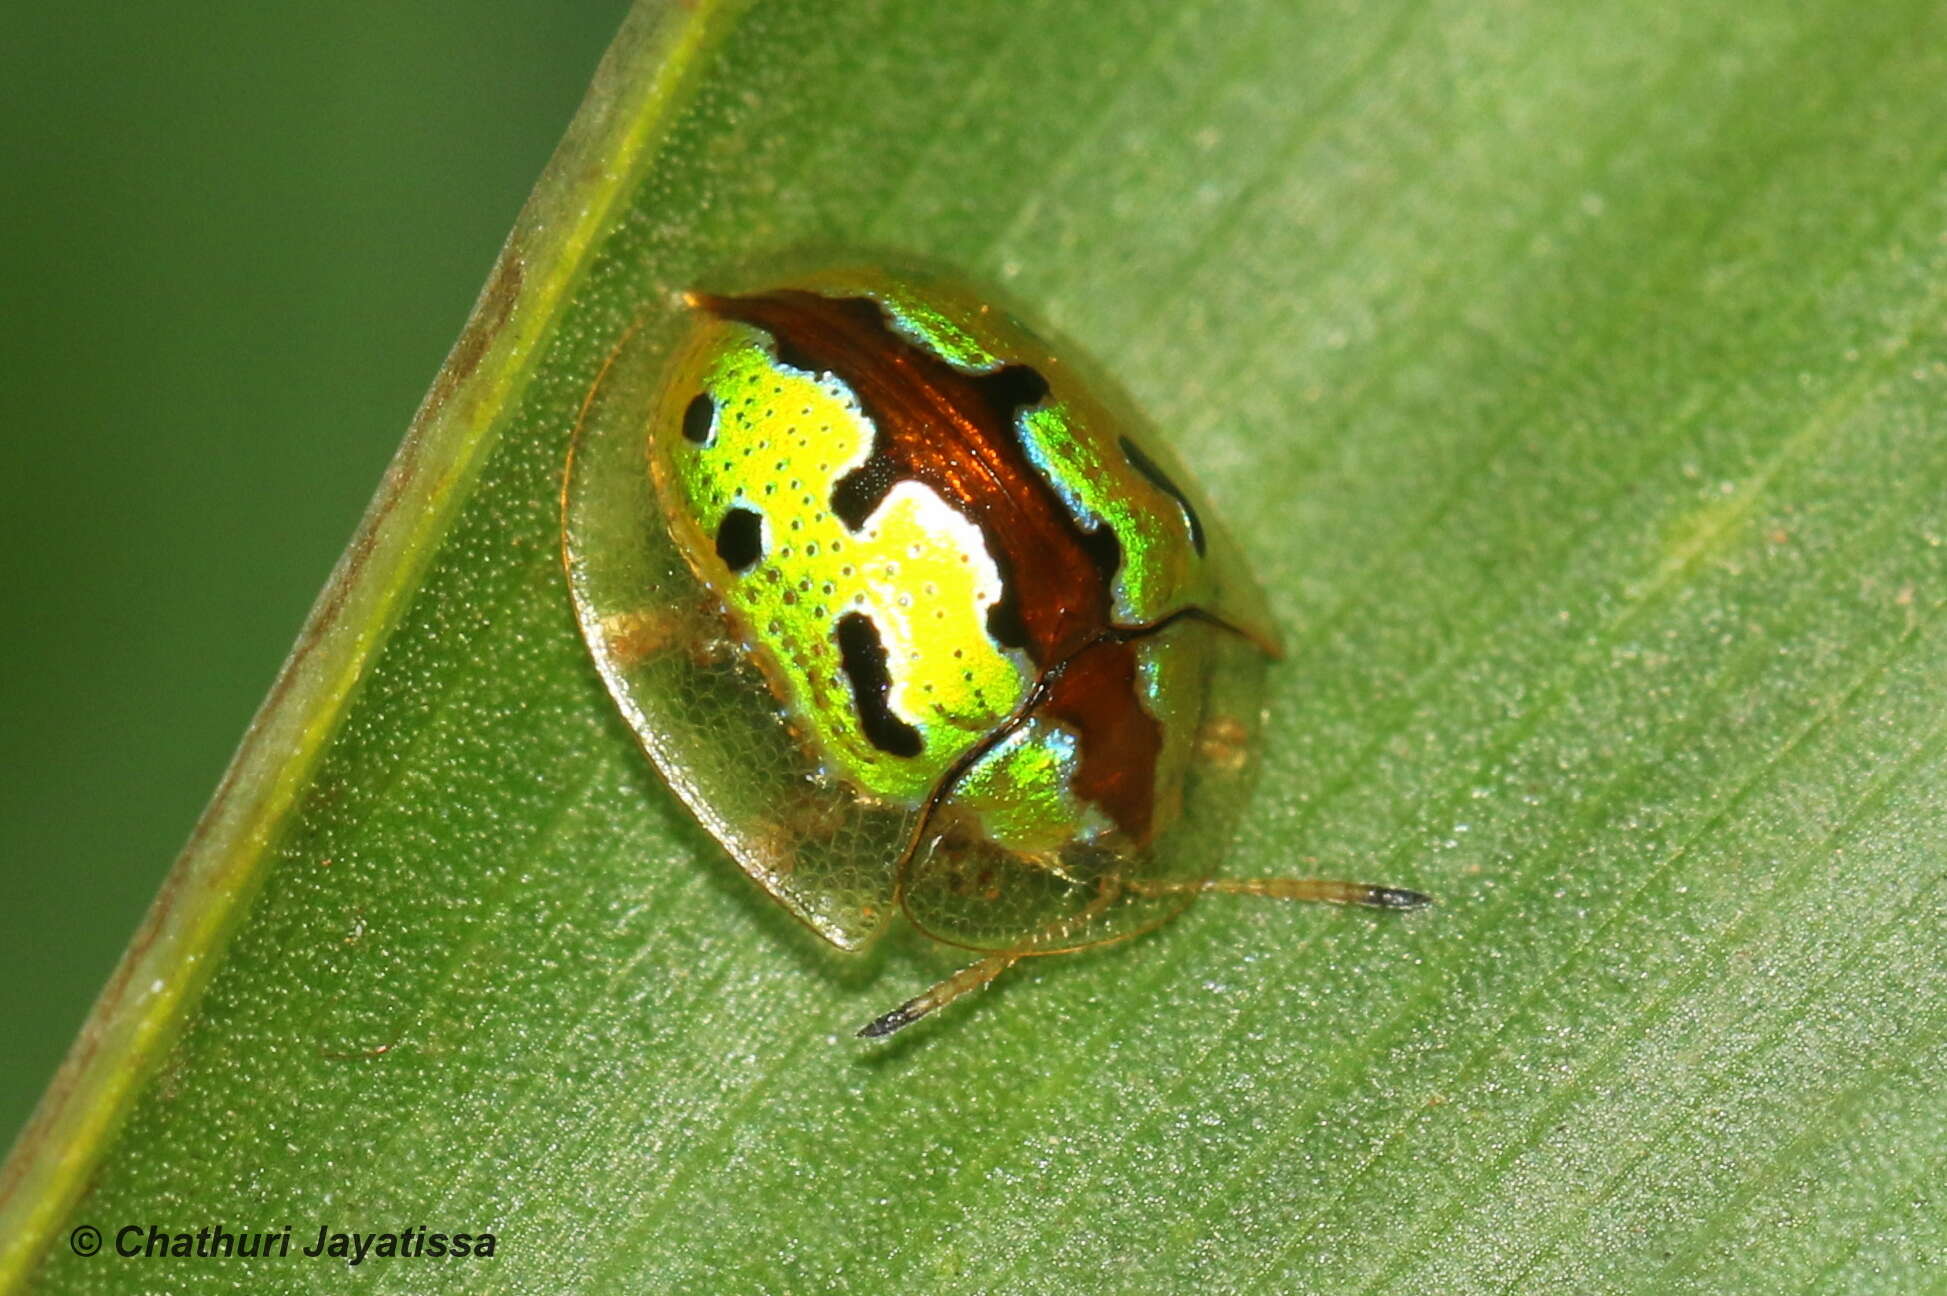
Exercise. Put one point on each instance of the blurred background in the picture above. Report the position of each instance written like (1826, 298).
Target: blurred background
(236, 243)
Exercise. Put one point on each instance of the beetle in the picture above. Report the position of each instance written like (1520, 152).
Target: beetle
(916, 616)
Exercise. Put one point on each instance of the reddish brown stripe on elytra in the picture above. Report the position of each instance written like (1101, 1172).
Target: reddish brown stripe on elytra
(955, 432)
(940, 426)
(1096, 695)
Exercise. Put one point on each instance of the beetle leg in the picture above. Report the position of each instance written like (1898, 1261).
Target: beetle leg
(634, 637)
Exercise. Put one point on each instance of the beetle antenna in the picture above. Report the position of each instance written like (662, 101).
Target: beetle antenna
(1320, 890)
(1324, 890)
(938, 996)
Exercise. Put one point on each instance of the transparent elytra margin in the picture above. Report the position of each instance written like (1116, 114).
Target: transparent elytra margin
(685, 684)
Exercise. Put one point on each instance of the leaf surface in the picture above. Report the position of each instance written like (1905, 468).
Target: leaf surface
(1572, 376)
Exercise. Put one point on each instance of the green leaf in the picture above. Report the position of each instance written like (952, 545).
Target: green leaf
(1571, 373)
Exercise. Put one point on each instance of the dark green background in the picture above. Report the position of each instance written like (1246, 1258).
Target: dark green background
(235, 244)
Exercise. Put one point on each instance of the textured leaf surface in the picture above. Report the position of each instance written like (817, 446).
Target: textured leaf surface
(1572, 374)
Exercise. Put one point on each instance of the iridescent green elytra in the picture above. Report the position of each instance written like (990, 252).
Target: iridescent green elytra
(752, 497)
(916, 616)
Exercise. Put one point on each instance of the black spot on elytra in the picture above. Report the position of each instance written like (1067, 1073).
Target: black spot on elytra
(740, 539)
(1004, 624)
(699, 417)
(1161, 481)
(862, 656)
(863, 489)
(1104, 550)
(1013, 389)
(792, 356)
